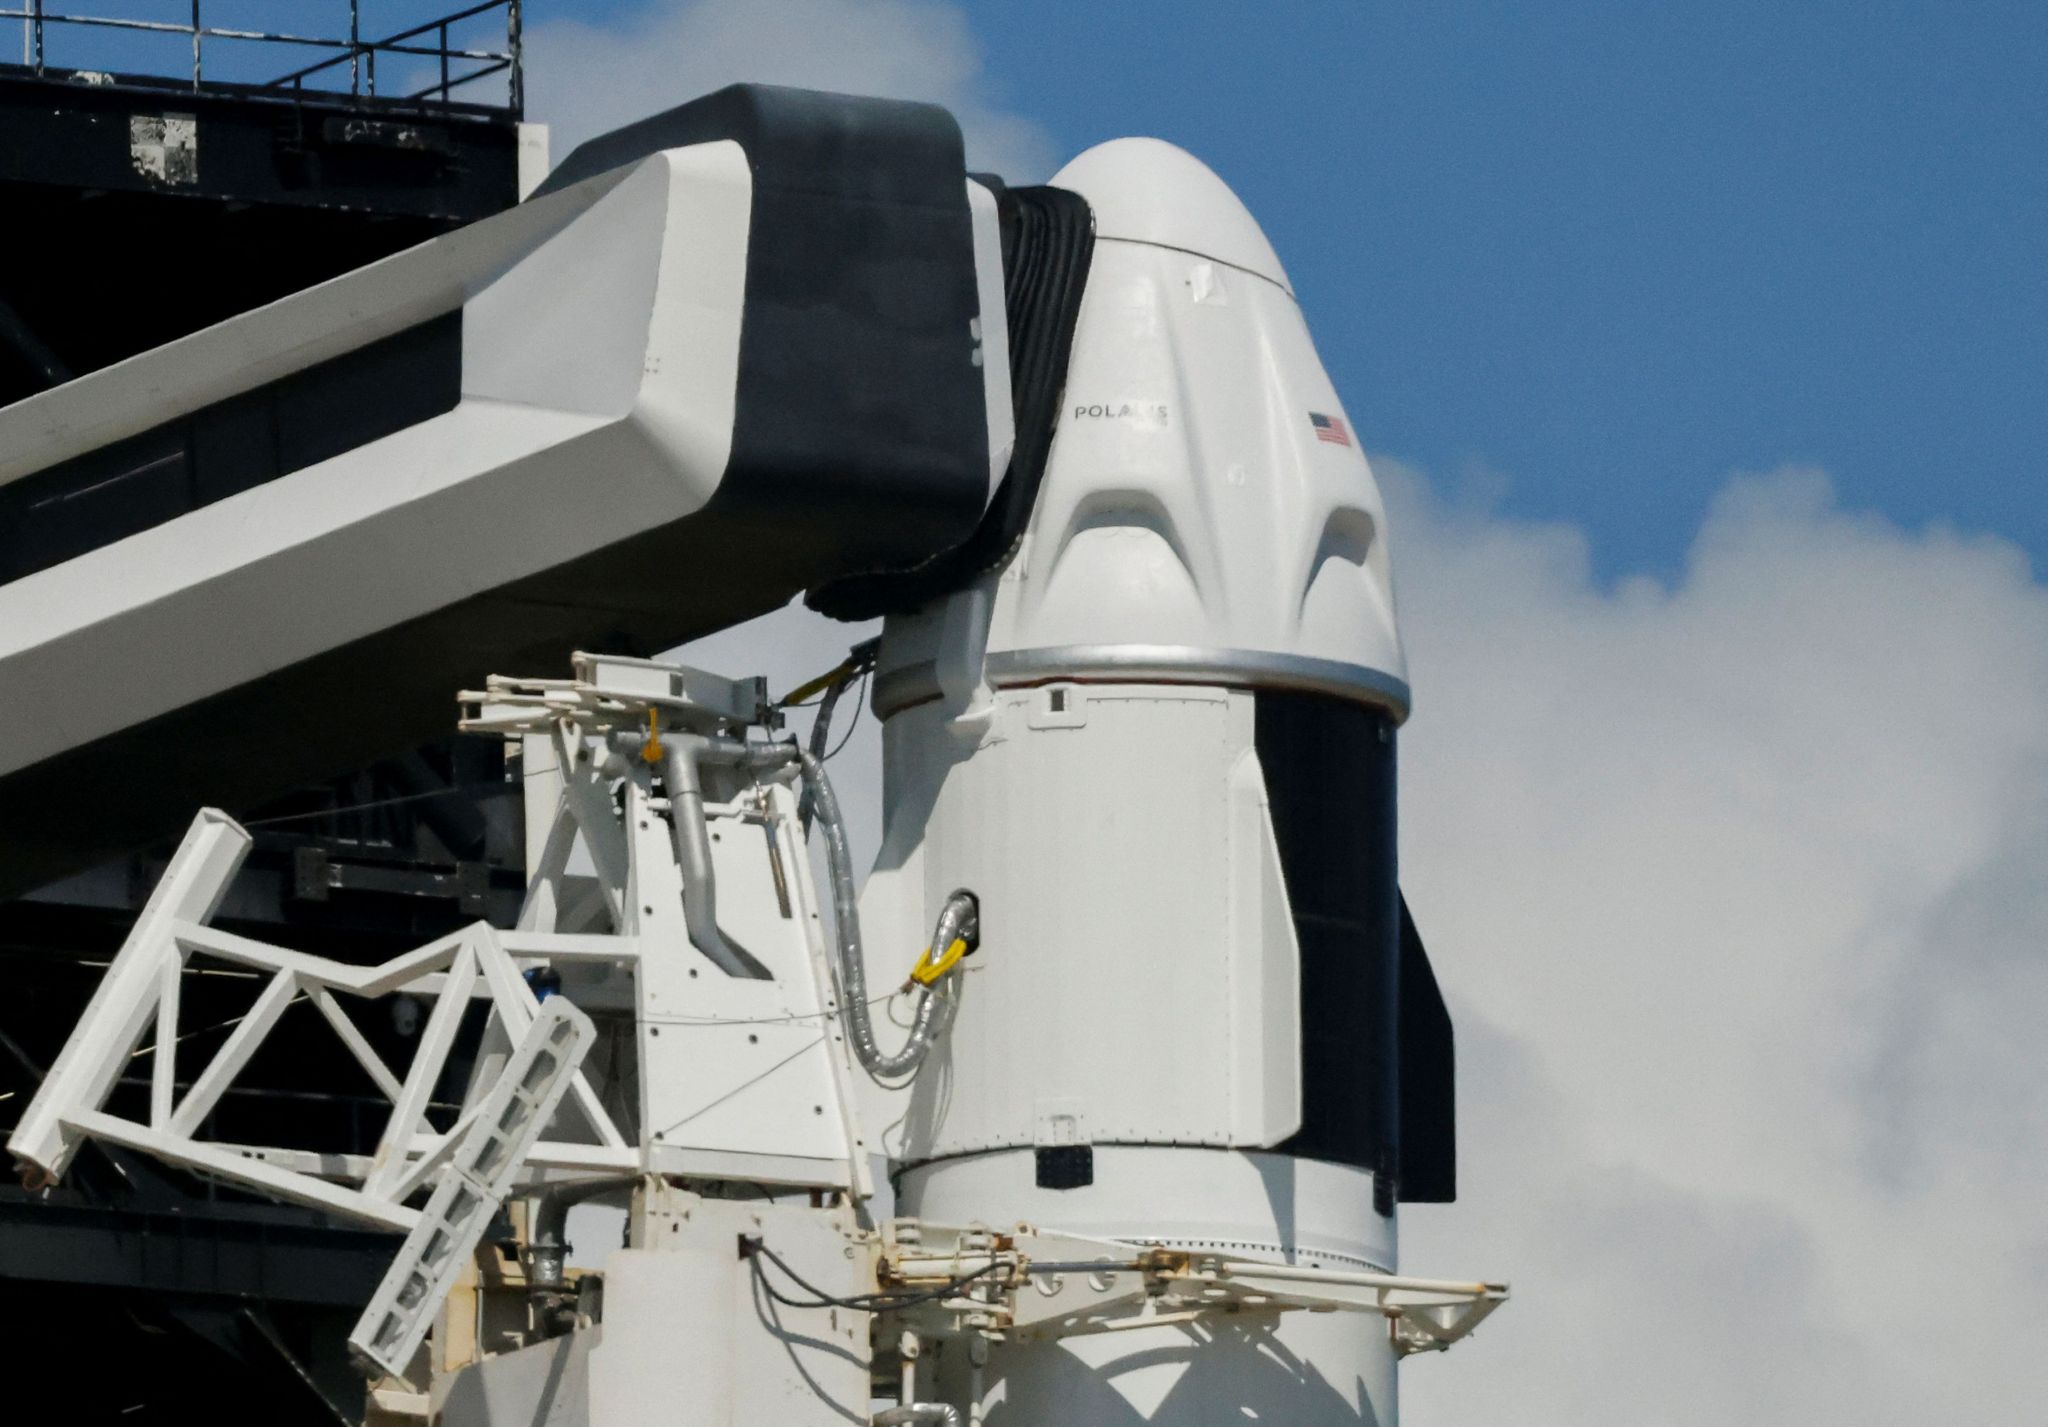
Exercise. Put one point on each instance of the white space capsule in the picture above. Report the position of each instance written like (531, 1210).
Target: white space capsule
(1158, 745)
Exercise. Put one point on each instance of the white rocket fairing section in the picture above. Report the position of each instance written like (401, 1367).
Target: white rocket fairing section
(1089, 738)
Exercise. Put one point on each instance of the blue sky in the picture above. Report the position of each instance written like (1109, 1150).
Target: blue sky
(1592, 258)
(1611, 252)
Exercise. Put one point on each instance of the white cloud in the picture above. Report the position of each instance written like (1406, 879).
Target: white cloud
(584, 79)
(1736, 889)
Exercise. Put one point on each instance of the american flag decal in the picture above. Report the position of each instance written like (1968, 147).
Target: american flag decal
(1330, 429)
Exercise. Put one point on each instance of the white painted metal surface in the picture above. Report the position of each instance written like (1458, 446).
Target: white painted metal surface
(1138, 1359)
(489, 1153)
(1195, 523)
(1248, 1203)
(130, 996)
(67, 1107)
(600, 349)
(722, 1058)
(601, 337)
(1152, 997)
(718, 1059)
(1149, 191)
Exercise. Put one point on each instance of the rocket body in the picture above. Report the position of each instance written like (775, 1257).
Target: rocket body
(1158, 744)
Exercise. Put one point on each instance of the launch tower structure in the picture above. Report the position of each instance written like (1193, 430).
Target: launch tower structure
(155, 182)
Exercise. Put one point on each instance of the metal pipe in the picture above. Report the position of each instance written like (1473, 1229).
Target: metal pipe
(449, 19)
(679, 759)
(547, 1242)
(977, 1364)
(1296, 1273)
(821, 728)
(514, 43)
(910, 1348)
(917, 1268)
(359, 54)
(462, 79)
(936, 1004)
(176, 27)
(298, 76)
(941, 1412)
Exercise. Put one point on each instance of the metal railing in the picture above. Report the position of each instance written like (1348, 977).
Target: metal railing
(457, 66)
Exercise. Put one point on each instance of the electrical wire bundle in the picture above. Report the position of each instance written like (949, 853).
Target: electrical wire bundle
(754, 1249)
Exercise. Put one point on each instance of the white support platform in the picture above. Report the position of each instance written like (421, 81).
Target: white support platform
(732, 1076)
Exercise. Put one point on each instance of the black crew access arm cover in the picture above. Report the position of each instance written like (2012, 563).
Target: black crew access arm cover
(1048, 242)
(859, 444)
(860, 439)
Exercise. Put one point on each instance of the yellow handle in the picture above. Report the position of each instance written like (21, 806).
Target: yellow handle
(651, 750)
(818, 685)
(930, 968)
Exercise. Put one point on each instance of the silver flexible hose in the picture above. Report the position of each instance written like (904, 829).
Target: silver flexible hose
(935, 1004)
(821, 729)
(913, 1412)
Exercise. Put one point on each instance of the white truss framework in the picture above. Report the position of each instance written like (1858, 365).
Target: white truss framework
(140, 992)
(750, 1033)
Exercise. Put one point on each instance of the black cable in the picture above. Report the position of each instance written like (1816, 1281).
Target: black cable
(828, 704)
(886, 1300)
(859, 702)
(859, 662)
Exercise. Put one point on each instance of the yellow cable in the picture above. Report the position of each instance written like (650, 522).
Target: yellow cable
(818, 685)
(929, 969)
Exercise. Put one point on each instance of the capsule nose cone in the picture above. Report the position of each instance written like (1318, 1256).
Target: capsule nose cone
(1148, 191)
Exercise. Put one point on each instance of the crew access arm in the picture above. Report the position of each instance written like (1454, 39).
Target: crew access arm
(743, 349)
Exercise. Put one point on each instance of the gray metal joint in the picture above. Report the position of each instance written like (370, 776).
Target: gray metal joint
(909, 1412)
